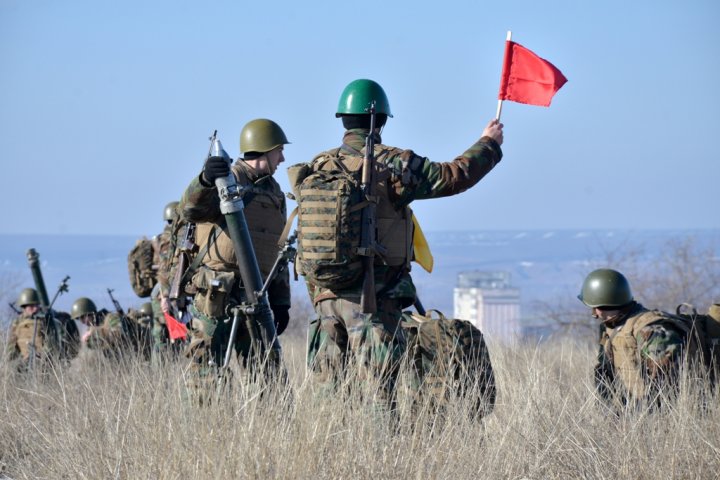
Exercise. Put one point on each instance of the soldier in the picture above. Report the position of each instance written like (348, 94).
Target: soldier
(164, 245)
(140, 329)
(215, 281)
(341, 331)
(640, 350)
(102, 331)
(32, 336)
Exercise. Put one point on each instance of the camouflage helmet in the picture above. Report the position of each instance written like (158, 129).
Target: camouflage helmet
(82, 306)
(28, 296)
(358, 95)
(170, 212)
(261, 135)
(146, 309)
(605, 288)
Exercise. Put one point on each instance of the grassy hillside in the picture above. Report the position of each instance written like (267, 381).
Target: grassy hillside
(98, 420)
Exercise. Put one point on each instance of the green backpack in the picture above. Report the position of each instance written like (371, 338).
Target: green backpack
(706, 331)
(449, 358)
(143, 275)
(329, 213)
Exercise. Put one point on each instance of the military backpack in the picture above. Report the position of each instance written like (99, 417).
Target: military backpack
(330, 204)
(449, 357)
(706, 333)
(143, 275)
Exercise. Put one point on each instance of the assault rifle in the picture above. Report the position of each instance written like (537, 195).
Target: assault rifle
(118, 307)
(14, 308)
(368, 227)
(185, 250)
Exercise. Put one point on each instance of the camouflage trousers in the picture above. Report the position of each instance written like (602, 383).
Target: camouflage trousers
(160, 337)
(209, 339)
(346, 345)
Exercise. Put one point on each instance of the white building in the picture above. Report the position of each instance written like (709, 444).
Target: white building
(489, 302)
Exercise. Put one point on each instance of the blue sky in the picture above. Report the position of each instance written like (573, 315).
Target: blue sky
(106, 106)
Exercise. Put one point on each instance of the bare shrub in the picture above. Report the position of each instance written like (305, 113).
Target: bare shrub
(684, 271)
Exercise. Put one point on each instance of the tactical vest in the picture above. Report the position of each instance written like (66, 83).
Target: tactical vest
(265, 212)
(621, 346)
(394, 227)
(24, 328)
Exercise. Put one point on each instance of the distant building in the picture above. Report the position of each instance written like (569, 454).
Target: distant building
(489, 301)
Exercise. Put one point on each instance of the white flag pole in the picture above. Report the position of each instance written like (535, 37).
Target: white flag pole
(500, 102)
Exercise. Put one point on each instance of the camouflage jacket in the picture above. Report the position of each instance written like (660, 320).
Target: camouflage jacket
(413, 177)
(640, 351)
(266, 213)
(109, 337)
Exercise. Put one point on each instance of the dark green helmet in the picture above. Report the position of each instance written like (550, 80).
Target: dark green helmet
(261, 135)
(170, 212)
(82, 306)
(146, 309)
(29, 296)
(358, 95)
(605, 288)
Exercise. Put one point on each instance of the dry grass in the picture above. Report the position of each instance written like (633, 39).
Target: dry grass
(98, 420)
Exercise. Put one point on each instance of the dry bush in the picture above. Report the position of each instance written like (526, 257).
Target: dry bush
(683, 271)
(99, 420)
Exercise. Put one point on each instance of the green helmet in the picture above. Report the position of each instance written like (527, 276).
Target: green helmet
(261, 135)
(146, 309)
(29, 296)
(82, 306)
(170, 212)
(605, 288)
(358, 95)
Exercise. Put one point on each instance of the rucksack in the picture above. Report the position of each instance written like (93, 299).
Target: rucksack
(140, 267)
(449, 357)
(330, 204)
(706, 331)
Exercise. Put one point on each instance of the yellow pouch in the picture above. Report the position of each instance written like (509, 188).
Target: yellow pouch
(423, 255)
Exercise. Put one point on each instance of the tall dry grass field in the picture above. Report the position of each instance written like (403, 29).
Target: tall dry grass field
(97, 420)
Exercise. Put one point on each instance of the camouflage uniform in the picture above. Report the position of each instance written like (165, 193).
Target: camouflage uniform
(216, 283)
(109, 336)
(341, 332)
(20, 343)
(165, 244)
(640, 354)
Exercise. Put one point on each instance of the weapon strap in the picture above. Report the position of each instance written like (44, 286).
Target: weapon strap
(201, 254)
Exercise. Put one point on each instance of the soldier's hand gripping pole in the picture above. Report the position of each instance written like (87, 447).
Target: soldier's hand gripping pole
(256, 306)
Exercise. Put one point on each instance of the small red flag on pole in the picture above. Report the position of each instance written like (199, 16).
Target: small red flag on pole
(527, 78)
(176, 329)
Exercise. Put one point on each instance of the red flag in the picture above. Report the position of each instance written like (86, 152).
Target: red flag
(175, 328)
(527, 78)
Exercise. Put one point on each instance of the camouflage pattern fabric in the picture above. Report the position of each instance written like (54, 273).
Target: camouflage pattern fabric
(216, 285)
(640, 355)
(412, 177)
(139, 332)
(109, 337)
(20, 343)
(343, 339)
(448, 358)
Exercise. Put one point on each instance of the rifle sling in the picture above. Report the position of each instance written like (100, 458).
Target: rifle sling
(247, 198)
(201, 255)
